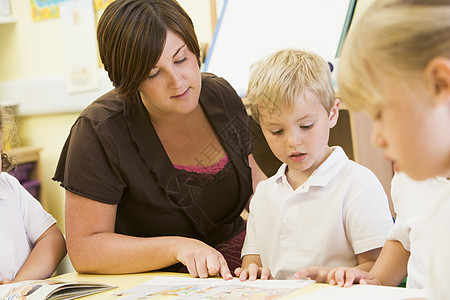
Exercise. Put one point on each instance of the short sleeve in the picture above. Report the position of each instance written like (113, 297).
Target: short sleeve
(35, 219)
(89, 163)
(22, 222)
(368, 216)
(250, 243)
(399, 232)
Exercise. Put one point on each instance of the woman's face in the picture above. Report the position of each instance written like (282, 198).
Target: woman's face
(173, 85)
(411, 128)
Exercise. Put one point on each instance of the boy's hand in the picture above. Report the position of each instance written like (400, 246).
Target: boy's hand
(319, 274)
(345, 277)
(253, 272)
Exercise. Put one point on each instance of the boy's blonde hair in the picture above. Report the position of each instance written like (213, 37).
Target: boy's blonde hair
(279, 80)
(393, 39)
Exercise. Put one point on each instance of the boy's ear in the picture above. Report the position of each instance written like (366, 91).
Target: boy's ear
(334, 113)
(437, 76)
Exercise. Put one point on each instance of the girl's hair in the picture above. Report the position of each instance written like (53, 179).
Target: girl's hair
(7, 130)
(131, 37)
(279, 80)
(393, 39)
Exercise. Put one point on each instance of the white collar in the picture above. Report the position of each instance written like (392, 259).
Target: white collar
(323, 174)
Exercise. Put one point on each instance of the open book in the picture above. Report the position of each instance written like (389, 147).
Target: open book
(211, 288)
(50, 289)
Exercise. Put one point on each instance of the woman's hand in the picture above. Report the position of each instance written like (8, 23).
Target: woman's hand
(253, 272)
(202, 260)
(94, 247)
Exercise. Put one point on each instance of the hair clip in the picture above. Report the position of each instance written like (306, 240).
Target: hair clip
(331, 66)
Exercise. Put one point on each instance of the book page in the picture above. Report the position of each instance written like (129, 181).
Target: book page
(50, 289)
(212, 288)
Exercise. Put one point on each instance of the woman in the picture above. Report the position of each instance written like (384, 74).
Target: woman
(158, 170)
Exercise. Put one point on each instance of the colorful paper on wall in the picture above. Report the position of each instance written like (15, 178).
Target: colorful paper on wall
(45, 9)
(101, 4)
(49, 9)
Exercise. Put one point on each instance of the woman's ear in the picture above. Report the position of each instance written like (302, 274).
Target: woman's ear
(334, 113)
(437, 77)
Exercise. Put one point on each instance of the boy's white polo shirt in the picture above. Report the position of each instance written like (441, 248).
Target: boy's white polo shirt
(22, 222)
(340, 211)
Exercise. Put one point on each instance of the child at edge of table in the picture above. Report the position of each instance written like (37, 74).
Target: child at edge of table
(31, 245)
(320, 210)
(406, 250)
(395, 65)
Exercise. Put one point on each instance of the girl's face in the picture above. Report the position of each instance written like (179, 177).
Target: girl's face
(413, 130)
(173, 85)
(298, 136)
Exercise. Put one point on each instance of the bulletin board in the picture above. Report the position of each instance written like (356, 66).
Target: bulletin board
(49, 9)
(248, 30)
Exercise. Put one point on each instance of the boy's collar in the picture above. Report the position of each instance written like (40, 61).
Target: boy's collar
(324, 173)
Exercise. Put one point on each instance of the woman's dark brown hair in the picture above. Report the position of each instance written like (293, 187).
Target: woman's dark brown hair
(131, 36)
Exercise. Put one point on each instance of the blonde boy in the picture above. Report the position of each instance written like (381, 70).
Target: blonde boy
(320, 210)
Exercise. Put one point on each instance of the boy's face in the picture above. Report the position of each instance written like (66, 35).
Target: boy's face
(409, 127)
(298, 136)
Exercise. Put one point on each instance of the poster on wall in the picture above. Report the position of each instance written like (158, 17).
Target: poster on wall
(101, 4)
(44, 9)
(79, 44)
(49, 9)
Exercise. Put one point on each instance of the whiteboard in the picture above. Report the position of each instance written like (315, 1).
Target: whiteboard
(248, 30)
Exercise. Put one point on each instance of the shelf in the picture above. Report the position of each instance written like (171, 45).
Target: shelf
(22, 155)
(7, 20)
(28, 166)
